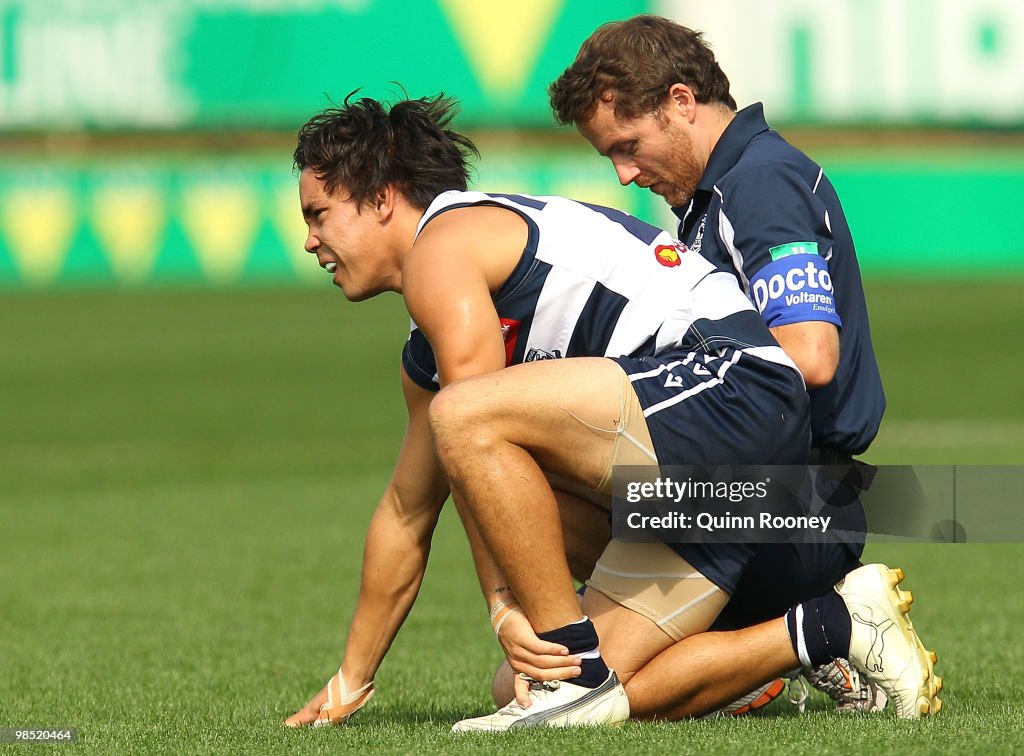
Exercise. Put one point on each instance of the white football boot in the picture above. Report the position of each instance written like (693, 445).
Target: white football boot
(852, 691)
(555, 704)
(883, 643)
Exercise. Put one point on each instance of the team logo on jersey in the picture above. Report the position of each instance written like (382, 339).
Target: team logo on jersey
(540, 354)
(698, 240)
(510, 334)
(670, 255)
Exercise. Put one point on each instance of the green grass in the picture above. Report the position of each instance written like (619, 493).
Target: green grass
(186, 477)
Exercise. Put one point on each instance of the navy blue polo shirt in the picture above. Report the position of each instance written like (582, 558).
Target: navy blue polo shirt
(767, 211)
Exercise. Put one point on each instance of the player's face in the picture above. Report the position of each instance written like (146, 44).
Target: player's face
(348, 240)
(654, 151)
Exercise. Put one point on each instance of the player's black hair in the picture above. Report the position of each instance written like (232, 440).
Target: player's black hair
(633, 63)
(366, 144)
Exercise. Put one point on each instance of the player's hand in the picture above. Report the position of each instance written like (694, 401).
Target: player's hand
(537, 659)
(308, 713)
(334, 705)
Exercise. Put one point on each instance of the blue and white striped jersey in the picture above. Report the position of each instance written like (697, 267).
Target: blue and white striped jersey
(596, 282)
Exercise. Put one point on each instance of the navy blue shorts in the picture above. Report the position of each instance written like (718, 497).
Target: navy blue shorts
(739, 410)
(730, 410)
(777, 576)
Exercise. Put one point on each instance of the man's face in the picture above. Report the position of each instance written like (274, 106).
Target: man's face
(654, 151)
(346, 239)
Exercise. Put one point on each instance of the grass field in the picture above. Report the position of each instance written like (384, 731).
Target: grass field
(185, 479)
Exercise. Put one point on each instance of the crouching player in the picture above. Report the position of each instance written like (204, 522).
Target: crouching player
(552, 340)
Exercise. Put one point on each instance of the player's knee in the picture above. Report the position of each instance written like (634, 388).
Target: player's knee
(446, 414)
(503, 688)
(460, 422)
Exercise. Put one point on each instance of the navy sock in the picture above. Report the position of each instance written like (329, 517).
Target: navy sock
(819, 630)
(581, 638)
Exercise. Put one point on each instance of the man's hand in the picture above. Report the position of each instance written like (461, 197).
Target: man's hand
(308, 713)
(333, 705)
(529, 655)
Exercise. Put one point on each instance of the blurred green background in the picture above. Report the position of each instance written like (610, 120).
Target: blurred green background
(194, 425)
(149, 142)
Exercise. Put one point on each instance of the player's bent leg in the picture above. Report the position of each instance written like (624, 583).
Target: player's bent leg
(636, 586)
(586, 528)
(494, 434)
(705, 672)
(648, 599)
(565, 413)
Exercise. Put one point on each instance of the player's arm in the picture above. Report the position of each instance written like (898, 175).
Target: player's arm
(397, 543)
(459, 259)
(394, 560)
(782, 231)
(814, 346)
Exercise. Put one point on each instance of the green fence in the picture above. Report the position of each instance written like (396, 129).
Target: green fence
(236, 66)
(237, 220)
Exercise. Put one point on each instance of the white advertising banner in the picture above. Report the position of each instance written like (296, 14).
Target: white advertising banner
(868, 61)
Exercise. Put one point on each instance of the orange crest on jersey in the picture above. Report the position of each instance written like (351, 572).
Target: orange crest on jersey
(670, 255)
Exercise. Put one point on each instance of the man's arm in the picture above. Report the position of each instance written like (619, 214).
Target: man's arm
(459, 260)
(814, 346)
(783, 231)
(395, 556)
(397, 543)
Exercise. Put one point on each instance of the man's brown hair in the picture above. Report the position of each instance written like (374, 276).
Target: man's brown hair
(634, 62)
